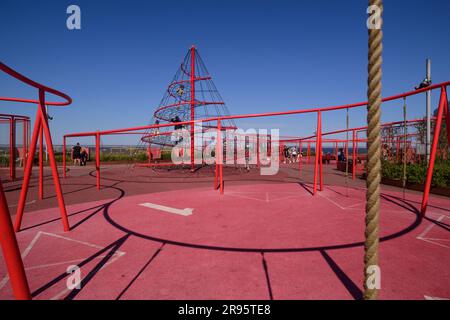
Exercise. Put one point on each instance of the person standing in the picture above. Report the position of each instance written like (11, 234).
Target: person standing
(76, 154)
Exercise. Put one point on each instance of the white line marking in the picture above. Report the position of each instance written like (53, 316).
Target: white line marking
(182, 212)
(435, 243)
(338, 205)
(25, 253)
(425, 232)
(267, 199)
(433, 240)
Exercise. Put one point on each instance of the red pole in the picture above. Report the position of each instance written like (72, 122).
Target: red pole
(51, 156)
(300, 158)
(192, 105)
(11, 252)
(216, 177)
(24, 143)
(336, 150)
(216, 168)
(27, 174)
(41, 164)
(64, 157)
(443, 105)
(354, 156)
(97, 158)
(257, 150)
(235, 151)
(12, 149)
(320, 154)
(357, 146)
(308, 153)
(220, 147)
(316, 158)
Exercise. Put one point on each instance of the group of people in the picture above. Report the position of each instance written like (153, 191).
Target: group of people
(80, 155)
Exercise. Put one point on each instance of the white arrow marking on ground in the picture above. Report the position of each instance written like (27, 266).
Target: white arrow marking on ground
(182, 212)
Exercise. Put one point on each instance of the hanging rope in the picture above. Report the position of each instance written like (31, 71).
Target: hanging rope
(405, 146)
(374, 153)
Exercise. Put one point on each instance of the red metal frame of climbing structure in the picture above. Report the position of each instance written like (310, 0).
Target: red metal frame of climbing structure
(8, 240)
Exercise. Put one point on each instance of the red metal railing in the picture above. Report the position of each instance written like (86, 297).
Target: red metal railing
(318, 169)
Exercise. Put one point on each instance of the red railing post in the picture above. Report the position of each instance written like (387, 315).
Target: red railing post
(64, 155)
(308, 153)
(27, 173)
(320, 154)
(336, 151)
(443, 106)
(257, 151)
(11, 252)
(12, 148)
(41, 163)
(317, 156)
(219, 156)
(97, 158)
(192, 105)
(51, 156)
(24, 144)
(300, 157)
(354, 155)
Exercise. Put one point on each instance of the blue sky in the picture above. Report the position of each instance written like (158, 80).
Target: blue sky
(263, 56)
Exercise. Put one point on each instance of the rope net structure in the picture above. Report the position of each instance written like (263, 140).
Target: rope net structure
(190, 96)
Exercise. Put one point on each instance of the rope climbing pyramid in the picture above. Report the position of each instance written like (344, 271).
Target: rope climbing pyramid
(190, 96)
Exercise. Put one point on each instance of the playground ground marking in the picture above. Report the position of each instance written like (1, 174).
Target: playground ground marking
(267, 196)
(351, 207)
(181, 212)
(116, 255)
(423, 236)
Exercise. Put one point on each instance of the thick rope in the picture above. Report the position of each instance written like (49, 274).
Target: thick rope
(374, 154)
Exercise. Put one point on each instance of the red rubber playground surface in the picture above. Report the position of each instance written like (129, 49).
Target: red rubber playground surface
(159, 234)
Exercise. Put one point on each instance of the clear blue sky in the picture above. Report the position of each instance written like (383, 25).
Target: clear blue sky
(263, 56)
